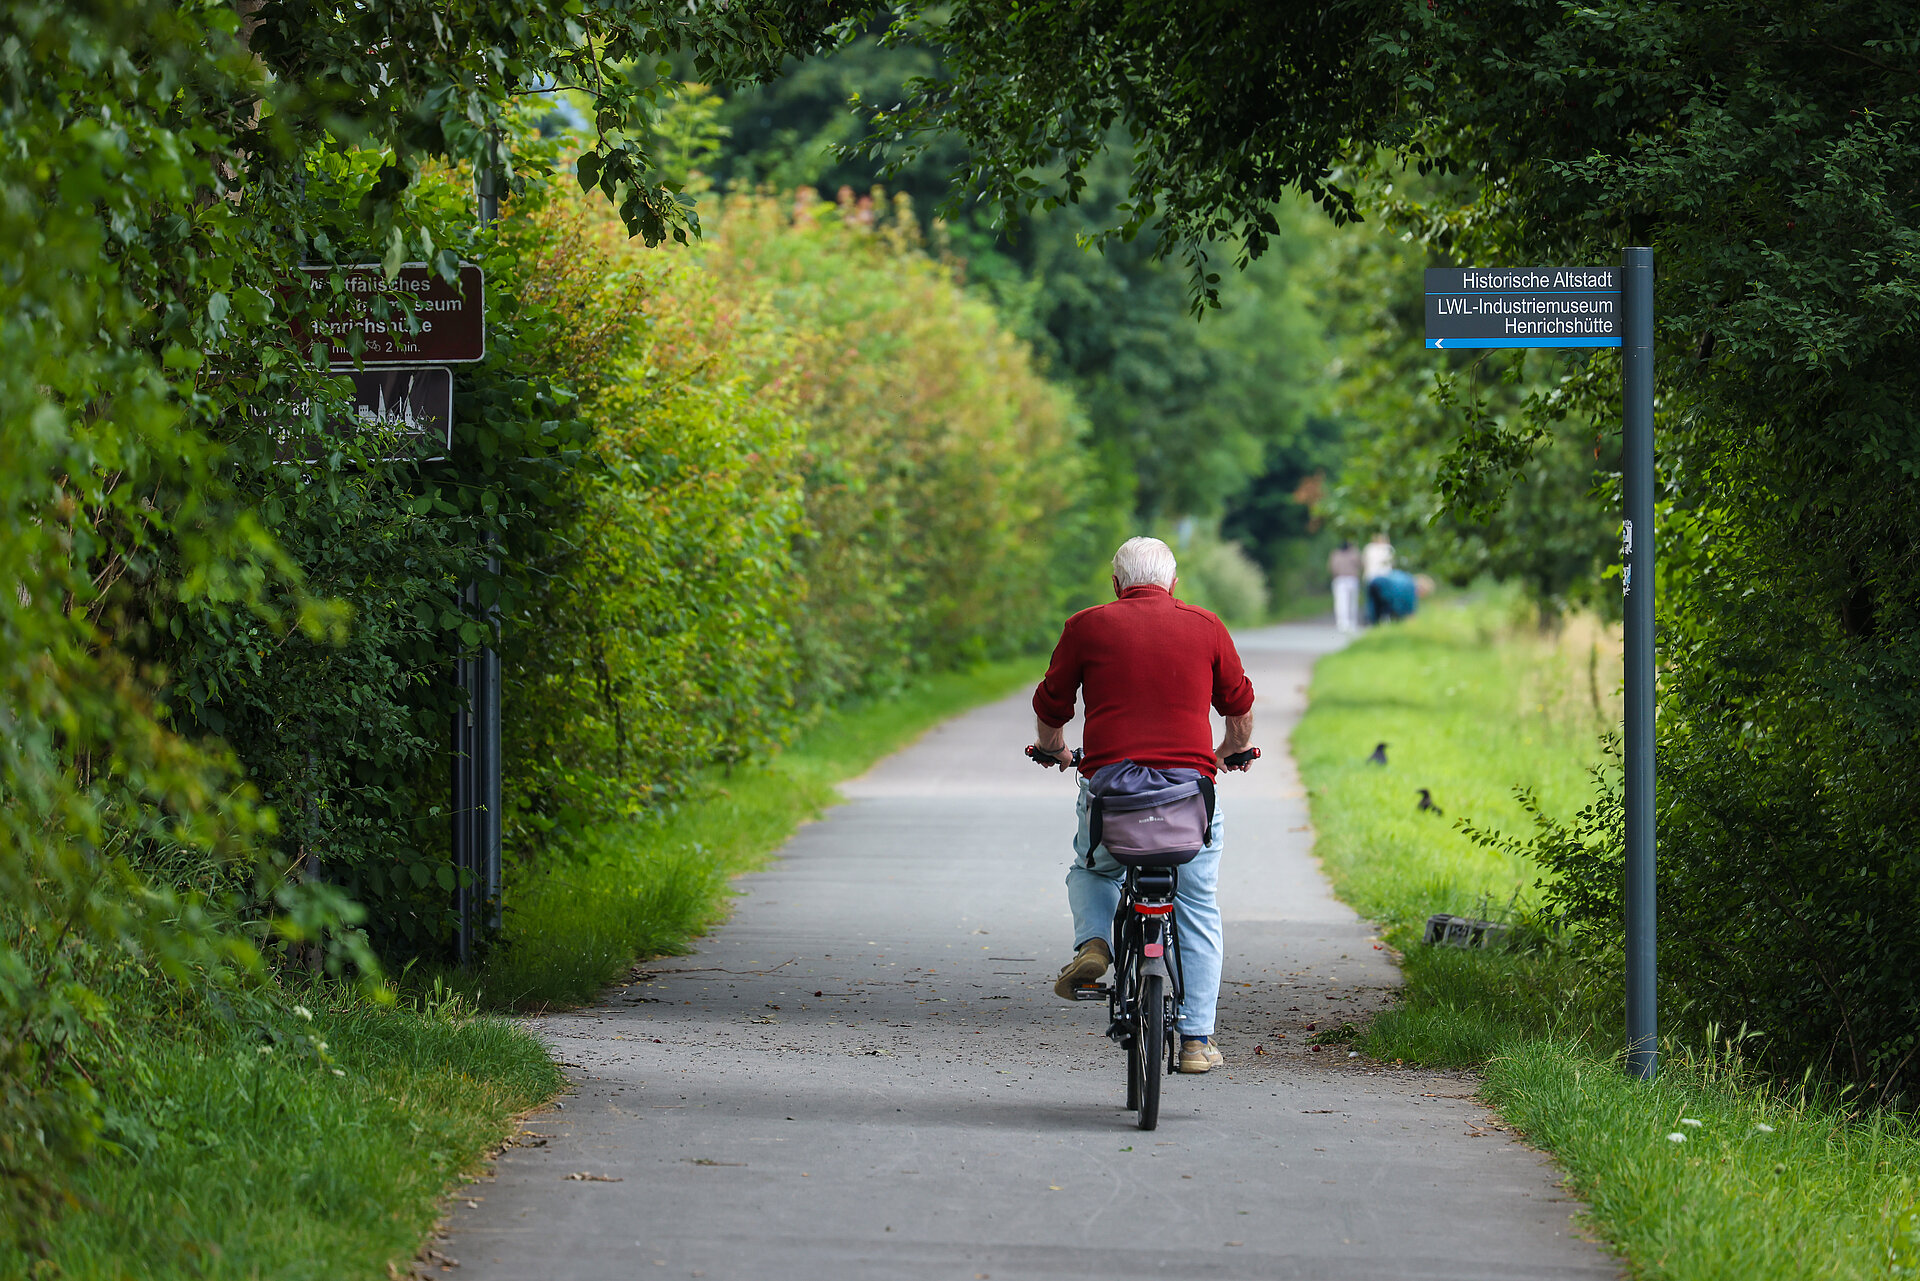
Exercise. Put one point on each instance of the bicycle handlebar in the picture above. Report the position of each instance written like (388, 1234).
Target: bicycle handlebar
(1053, 762)
(1238, 762)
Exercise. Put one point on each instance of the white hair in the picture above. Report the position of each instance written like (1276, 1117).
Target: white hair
(1143, 561)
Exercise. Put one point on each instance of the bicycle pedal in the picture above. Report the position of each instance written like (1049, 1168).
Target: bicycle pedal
(1092, 992)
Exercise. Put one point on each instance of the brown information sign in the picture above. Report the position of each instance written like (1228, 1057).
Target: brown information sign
(447, 324)
(411, 410)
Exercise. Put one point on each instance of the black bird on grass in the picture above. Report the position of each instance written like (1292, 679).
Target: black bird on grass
(1379, 756)
(1426, 803)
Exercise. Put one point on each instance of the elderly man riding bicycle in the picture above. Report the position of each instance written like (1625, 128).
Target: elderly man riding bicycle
(1148, 667)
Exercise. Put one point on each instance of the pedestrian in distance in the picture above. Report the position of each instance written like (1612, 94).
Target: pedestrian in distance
(1148, 667)
(1344, 566)
(1376, 559)
(1392, 596)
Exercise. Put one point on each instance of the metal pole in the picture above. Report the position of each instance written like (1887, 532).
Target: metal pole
(486, 183)
(1636, 297)
(465, 798)
(488, 734)
(476, 737)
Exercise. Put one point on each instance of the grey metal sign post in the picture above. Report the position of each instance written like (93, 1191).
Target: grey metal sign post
(1636, 475)
(1481, 307)
(476, 730)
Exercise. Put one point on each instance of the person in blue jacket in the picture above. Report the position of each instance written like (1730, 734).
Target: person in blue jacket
(1393, 595)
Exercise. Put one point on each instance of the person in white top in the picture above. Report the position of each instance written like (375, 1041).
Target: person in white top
(1376, 558)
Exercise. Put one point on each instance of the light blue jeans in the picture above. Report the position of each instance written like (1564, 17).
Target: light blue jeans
(1093, 892)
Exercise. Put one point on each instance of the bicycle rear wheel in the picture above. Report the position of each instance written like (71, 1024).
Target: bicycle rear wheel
(1149, 1048)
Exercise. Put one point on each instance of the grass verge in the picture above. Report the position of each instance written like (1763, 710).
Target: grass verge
(1772, 1182)
(647, 888)
(308, 1152)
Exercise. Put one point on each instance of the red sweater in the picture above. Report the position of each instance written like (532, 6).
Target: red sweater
(1150, 666)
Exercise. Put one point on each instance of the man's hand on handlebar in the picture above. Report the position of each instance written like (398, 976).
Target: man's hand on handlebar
(1048, 758)
(1238, 761)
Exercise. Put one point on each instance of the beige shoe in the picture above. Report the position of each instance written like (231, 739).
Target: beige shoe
(1087, 965)
(1198, 1056)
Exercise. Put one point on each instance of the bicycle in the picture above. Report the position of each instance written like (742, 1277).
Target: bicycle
(1144, 999)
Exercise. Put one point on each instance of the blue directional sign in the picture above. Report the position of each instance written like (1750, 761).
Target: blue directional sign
(1523, 307)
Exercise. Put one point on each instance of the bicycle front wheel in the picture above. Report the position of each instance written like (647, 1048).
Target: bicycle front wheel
(1150, 1048)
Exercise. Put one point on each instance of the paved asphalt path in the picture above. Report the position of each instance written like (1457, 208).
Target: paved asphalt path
(865, 1073)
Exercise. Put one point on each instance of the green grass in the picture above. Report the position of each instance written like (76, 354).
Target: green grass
(1468, 710)
(292, 1163)
(1827, 1192)
(648, 888)
(1470, 707)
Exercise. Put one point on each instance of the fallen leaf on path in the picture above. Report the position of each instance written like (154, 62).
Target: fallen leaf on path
(582, 1176)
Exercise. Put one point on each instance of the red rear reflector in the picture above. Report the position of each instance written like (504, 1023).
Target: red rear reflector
(1153, 909)
(1154, 949)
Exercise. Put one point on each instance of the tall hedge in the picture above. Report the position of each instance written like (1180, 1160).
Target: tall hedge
(817, 465)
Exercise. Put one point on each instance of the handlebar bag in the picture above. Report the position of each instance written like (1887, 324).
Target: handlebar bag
(1149, 816)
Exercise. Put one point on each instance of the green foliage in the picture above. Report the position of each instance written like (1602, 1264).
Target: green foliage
(1193, 419)
(656, 637)
(1230, 110)
(794, 131)
(1218, 575)
(117, 274)
(1788, 437)
(819, 467)
(1184, 419)
(1448, 454)
(948, 511)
